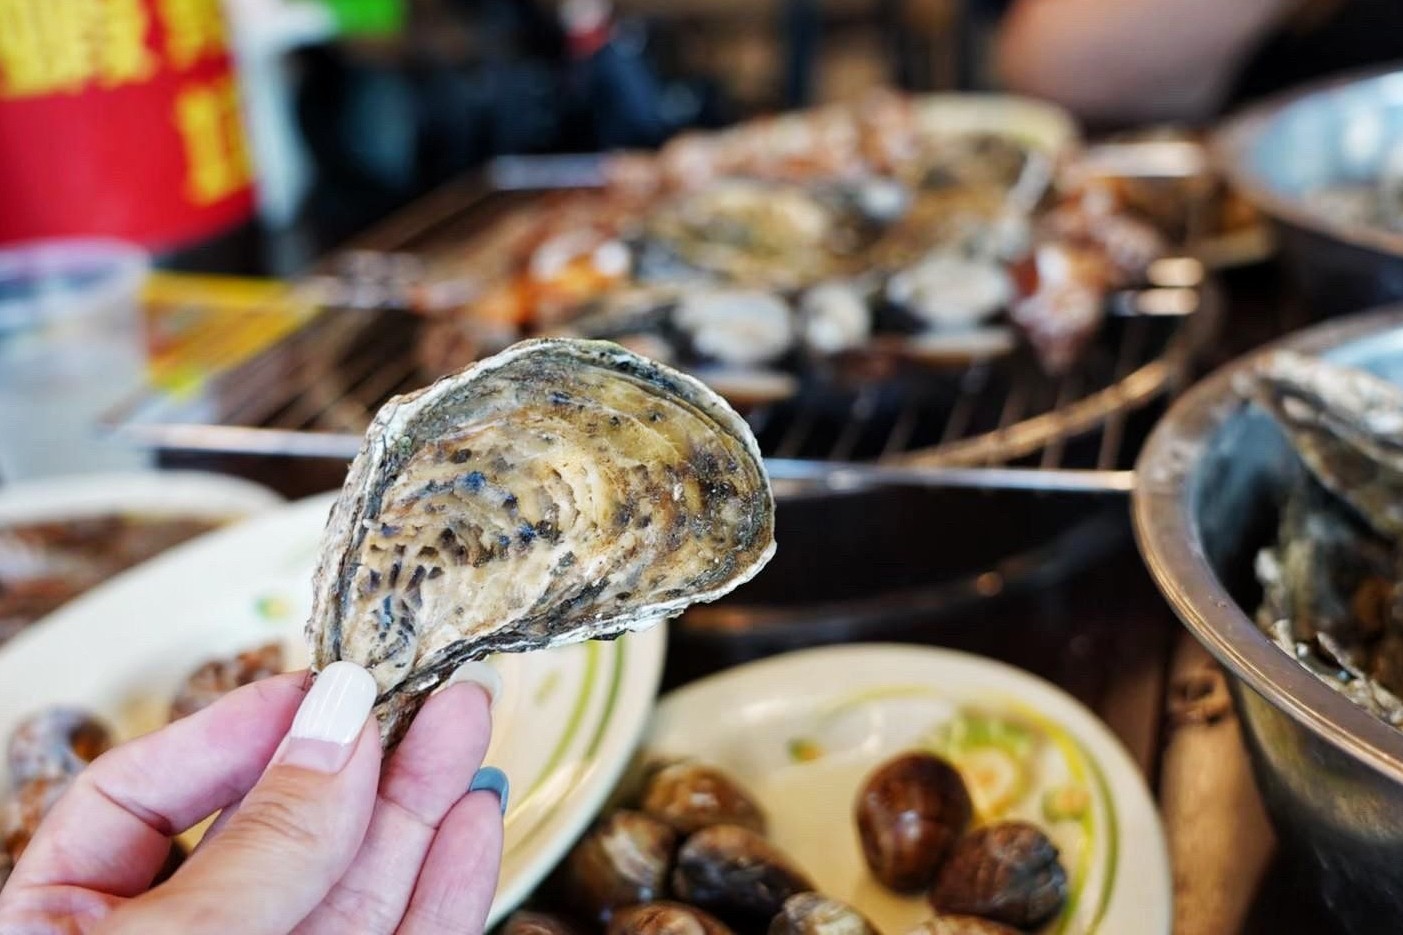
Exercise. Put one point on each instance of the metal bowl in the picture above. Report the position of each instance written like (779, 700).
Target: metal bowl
(1208, 488)
(1338, 130)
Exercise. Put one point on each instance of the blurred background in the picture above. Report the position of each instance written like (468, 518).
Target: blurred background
(335, 112)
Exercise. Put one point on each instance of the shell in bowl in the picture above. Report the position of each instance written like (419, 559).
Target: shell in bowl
(1210, 485)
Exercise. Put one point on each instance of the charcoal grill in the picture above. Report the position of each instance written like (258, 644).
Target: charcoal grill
(1001, 422)
(996, 459)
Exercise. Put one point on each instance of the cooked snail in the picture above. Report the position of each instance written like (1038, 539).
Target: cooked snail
(735, 873)
(623, 860)
(54, 744)
(1008, 872)
(690, 796)
(910, 812)
(525, 922)
(218, 677)
(25, 807)
(664, 918)
(812, 914)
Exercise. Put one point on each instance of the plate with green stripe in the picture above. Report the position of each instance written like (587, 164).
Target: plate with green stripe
(802, 732)
(564, 728)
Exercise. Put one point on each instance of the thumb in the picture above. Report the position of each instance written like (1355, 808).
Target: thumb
(296, 831)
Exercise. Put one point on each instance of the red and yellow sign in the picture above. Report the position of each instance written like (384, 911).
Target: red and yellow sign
(119, 117)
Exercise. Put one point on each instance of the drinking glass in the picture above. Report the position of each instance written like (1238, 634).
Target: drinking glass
(71, 348)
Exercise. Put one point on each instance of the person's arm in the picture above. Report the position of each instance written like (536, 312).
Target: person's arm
(1131, 60)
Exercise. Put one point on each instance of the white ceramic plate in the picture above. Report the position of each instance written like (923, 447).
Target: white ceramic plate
(564, 729)
(149, 493)
(802, 731)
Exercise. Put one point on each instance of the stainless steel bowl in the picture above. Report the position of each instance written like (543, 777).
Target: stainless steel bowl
(1208, 488)
(1338, 130)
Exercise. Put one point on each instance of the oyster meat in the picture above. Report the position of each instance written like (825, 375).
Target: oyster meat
(558, 492)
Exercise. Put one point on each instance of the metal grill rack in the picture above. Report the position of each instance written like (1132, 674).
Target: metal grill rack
(997, 423)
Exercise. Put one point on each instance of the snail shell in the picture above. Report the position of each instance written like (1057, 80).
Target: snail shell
(692, 796)
(910, 813)
(735, 873)
(1008, 872)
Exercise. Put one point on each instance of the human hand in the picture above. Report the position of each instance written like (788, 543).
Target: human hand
(313, 836)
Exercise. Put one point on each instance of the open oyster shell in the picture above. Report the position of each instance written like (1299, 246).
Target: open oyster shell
(558, 492)
(1347, 426)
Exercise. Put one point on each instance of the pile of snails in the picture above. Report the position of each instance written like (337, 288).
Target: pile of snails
(689, 856)
(50, 748)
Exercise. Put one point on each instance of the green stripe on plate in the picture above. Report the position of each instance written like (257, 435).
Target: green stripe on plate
(1112, 842)
(567, 738)
(606, 717)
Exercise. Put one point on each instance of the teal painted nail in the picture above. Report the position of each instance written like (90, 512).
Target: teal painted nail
(493, 780)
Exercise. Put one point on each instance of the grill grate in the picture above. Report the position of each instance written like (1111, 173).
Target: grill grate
(314, 394)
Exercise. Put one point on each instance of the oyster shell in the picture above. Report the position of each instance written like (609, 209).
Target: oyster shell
(1332, 583)
(558, 492)
(1347, 426)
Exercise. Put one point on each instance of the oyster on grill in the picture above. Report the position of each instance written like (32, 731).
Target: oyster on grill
(558, 492)
(754, 234)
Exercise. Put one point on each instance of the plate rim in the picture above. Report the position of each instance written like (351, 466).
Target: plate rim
(155, 493)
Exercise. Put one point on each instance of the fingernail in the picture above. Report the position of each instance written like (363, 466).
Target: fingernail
(330, 720)
(493, 780)
(479, 673)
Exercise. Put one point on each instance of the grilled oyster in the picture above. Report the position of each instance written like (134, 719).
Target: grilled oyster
(558, 492)
(1347, 426)
(753, 233)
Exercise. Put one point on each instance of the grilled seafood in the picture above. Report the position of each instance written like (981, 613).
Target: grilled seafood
(665, 918)
(1347, 426)
(45, 564)
(948, 291)
(56, 743)
(219, 677)
(834, 317)
(46, 751)
(812, 914)
(753, 233)
(1062, 311)
(1332, 584)
(525, 922)
(736, 327)
(910, 813)
(622, 861)
(561, 491)
(25, 807)
(735, 873)
(1007, 871)
(692, 796)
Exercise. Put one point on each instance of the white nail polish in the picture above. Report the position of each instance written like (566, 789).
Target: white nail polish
(479, 673)
(330, 719)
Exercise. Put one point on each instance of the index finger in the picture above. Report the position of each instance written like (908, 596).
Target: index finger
(111, 831)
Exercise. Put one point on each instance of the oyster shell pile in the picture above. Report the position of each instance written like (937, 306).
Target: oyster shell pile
(1332, 583)
(558, 492)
